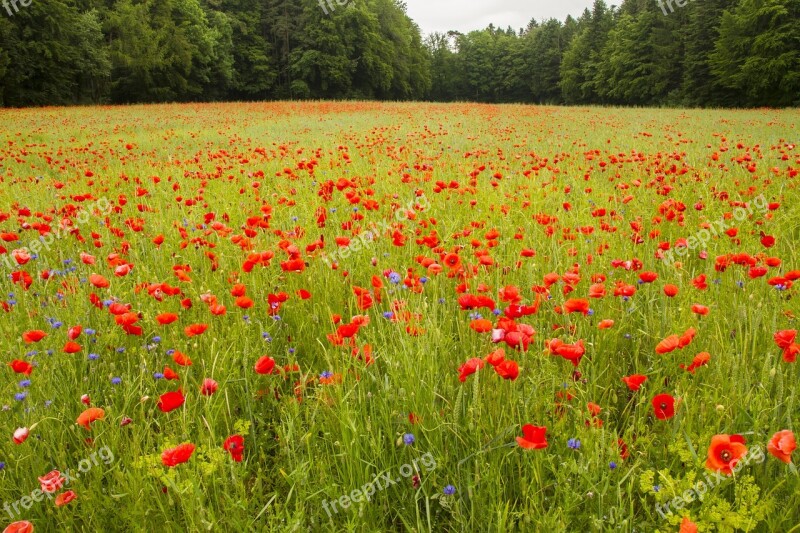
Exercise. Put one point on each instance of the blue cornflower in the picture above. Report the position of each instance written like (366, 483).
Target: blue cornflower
(395, 278)
(574, 444)
(116, 381)
(20, 396)
(93, 357)
(409, 439)
(449, 490)
(158, 375)
(25, 383)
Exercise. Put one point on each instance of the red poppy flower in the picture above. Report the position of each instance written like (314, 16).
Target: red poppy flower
(265, 365)
(671, 290)
(496, 357)
(244, 302)
(686, 339)
(21, 367)
(74, 332)
(785, 338)
(170, 401)
(508, 370)
(648, 277)
(700, 309)
(664, 406)
(699, 360)
(98, 281)
(577, 306)
(598, 290)
(781, 445)
(208, 387)
(571, 352)
(65, 497)
(177, 455)
(166, 318)
(181, 359)
(20, 526)
(195, 329)
(634, 381)
(687, 526)
(790, 353)
(235, 446)
(469, 368)
(724, 452)
(533, 437)
(90, 415)
(21, 435)
(72, 347)
(170, 374)
(605, 324)
(667, 345)
(34, 335)
(52, 482)
(452, 261)
(481, 325)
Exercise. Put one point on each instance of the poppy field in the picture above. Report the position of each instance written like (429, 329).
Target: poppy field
(399, 317)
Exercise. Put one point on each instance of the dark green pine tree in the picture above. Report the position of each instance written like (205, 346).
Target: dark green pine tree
(51, 53)
(445, 76)
(583, 58)
(699, 86)
(758, 52)
(642, 59)
(545, 45)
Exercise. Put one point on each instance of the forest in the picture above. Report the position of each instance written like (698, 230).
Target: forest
(709, 53)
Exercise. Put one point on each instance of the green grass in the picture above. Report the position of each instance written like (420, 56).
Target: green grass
(341, 436)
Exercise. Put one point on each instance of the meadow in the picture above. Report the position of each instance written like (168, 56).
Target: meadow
(398, 317)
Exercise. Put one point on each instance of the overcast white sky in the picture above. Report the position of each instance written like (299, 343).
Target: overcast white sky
(468, 15)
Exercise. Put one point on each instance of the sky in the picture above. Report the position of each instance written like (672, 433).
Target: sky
(468, 15)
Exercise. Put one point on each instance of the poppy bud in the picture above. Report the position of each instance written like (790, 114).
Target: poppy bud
(20, 435)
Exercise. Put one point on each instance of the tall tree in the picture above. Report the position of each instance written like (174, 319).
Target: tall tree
(758, 52)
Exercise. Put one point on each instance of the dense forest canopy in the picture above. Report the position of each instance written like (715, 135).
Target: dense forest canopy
(708, 53)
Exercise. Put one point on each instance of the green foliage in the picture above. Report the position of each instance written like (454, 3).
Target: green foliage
(706, 53)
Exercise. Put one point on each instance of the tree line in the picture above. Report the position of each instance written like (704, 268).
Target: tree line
(711, 53)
